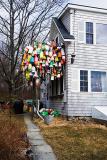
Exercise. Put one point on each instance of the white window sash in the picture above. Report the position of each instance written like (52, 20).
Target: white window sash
(94, 33)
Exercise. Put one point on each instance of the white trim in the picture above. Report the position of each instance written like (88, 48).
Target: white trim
(84, 8)
(61, 34)
(89, 80)
(63, 11)
(85, 32)
(71, 22)
(79, 81)
(69, 40)
(94, 33)
(87, 8)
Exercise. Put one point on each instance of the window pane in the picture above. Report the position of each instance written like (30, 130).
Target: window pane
(81, 77)
(85, 73)
(83, 80)
(81, 83)
(81, 88)
(89, 38)
(89, 27)
(98, 81)
(101, 33)
(61, 85)
(89, 33)
(86, 89)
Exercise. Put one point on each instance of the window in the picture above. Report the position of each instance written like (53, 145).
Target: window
(83, 81)
(101, 33)
(57, 87)
(98, 81)
(57, 40)
(61, 85)
(92, 33)
(89, 33)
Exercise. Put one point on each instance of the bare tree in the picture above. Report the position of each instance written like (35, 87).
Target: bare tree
(21, 22)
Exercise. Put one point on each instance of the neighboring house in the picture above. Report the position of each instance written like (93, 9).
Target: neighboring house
(83, 31)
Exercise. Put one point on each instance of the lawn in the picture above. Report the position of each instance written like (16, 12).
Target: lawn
(12, 137)
(76, 140)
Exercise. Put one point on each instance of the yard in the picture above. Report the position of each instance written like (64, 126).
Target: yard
(12, 137)
(76, 140)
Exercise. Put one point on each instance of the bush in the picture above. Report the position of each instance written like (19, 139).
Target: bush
(11, 139)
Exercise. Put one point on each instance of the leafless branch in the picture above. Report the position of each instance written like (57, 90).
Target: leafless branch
(25, 21)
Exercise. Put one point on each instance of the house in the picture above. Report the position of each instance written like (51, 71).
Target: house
(83, 32)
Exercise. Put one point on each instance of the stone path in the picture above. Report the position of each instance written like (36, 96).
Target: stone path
(41, 150)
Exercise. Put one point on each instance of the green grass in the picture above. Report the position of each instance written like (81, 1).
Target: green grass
(77, 140)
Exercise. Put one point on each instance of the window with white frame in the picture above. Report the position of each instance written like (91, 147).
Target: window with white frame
(98, 81)
(83, 81)
(92, 33)
(89, 32)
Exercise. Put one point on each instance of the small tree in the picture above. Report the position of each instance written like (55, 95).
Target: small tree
(21, 22)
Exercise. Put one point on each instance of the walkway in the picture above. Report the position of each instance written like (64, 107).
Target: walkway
(41, 150)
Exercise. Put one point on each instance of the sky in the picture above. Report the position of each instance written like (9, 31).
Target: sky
(94, 3)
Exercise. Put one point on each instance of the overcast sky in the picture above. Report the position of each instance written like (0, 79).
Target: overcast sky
(94, 3)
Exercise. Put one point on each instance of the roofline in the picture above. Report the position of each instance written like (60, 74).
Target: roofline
(61, 34)
(83, 7)
(58, 29)
(69, 40)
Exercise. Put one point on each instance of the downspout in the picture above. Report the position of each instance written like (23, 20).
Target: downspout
(71, 21)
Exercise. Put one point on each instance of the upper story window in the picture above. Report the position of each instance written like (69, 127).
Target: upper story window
(92, 33)
(101, 33)
(57, 40)
(89, 33)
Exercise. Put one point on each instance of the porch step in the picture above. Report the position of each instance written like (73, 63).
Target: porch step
(100, 112)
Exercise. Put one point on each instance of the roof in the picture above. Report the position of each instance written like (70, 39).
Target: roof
(63, 31)
(82, 7)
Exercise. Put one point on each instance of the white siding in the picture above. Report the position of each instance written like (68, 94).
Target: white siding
(66, 20)
(81, 32)
(89, 57)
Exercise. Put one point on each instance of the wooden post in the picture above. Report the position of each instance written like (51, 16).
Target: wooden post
(34, 98)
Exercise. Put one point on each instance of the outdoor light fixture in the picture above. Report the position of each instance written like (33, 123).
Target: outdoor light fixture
(72, 58)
